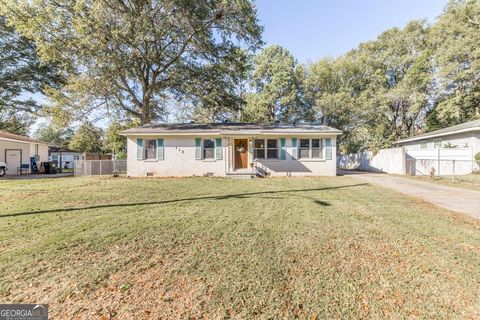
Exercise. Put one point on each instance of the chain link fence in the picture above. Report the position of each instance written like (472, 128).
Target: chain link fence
(455, 170)
(99, 167)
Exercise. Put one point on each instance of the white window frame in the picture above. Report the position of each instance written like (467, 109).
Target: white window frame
(423, 145)
(435, 143)
(145, 150)
(311, 148)
(266, 149)
(255, 149)
(204, 149)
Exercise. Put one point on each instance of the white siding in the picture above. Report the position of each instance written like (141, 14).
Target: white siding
(179, 159)
(461, 140)
(300, 167)
(28, 150)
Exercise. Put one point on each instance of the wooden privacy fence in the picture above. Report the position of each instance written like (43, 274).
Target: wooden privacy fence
(99, 167)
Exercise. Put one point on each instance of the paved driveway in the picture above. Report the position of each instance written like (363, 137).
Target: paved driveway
(457, 199)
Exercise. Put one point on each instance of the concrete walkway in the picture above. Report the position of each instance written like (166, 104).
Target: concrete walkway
(456, 199)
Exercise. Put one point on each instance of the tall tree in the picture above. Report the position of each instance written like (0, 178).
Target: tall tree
(455, 38)
(131, 55)
(217, 90)
(275, 85)
(87, 138)
(335, 88)
(114, 142)
(377, 93)
(54, 135)
(399, 71)
(21, 76)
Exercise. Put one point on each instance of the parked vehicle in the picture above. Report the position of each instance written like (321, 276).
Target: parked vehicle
(3, 168)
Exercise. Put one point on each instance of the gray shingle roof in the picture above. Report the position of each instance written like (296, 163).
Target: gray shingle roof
(12, 136)
(467, 126)
(225, 128)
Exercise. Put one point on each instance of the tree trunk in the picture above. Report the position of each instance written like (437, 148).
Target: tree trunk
(145, 111)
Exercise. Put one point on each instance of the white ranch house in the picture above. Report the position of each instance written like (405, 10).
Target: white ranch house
(223, 149)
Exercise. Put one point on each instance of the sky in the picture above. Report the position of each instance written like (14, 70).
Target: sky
(314, 29)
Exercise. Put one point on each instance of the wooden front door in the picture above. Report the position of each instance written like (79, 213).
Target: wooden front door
(241, 153)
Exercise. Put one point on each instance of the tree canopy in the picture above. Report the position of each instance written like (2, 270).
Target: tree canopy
(54, 135)
(276, 88)
(455, 40)
(87, 138)
(198, 60)
(22, 75)
(130, 56)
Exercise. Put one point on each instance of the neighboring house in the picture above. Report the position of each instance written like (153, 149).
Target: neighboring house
(222, 149)
(465, 135)
(448, 151)
(64, 157)
(16, 150)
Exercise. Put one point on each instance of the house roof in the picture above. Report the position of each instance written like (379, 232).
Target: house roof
(4, 135)
(61, 149)
(230, 129)
(460, 128)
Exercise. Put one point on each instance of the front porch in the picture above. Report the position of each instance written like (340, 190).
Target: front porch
(239, 156)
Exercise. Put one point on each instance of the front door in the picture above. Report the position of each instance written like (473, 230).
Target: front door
(241, 153)
(13, 160)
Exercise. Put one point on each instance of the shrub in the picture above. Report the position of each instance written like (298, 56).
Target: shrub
(477, 156)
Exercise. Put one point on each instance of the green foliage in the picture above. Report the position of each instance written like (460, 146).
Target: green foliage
(217, 90)
(376, 93)
(138, 59)
(276, 85)
(21, 76)
(87, 138)
(334, 87)
(131, 56)
(16, 123)
(121, 155)
(54, 135)
(114, 142)
(455, 38)
(477, 156)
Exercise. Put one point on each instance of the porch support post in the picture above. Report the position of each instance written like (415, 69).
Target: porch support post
(250, 153)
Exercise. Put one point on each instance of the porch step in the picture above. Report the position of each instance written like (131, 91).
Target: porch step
(241, 175)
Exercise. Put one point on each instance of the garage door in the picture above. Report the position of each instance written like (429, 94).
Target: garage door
(13, 161)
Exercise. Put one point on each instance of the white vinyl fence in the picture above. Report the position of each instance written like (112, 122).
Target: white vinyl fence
(439, 161)
(386, 160)
(99, 167)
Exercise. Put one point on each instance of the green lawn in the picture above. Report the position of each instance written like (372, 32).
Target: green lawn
(223, 248)
(469, 181)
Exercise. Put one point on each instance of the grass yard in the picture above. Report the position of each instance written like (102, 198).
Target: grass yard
(222, 248)
(469, 181)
